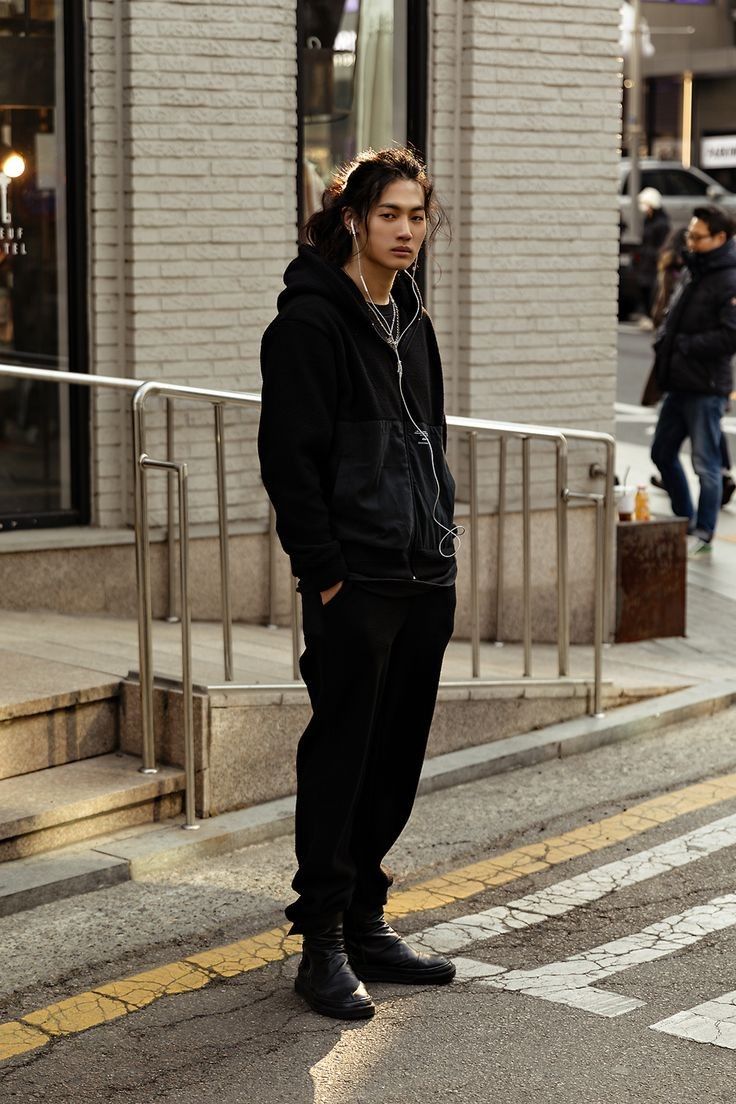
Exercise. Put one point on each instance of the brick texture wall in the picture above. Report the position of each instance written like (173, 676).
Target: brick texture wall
(525, 297)
(208, 126)
(187, 260)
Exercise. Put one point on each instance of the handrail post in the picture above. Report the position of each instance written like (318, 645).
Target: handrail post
(171, 491)
(599, 586)
(187, 688)
(563, 597)
(474, 597)
(143, 574)
(500, 534)
(598, 622)
(610, 531)
(527, 553)
(227, 621)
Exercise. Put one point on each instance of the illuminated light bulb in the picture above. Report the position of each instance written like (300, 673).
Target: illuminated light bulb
(13, 165)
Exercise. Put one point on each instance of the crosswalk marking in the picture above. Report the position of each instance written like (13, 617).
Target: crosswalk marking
(712, 1022)
(572, 981)
(454, 935)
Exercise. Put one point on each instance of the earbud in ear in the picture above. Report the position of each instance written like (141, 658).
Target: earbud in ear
(352, 228)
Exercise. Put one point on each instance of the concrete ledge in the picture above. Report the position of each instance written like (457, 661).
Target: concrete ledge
(26, 883)
(573, 737)
(169, 845)
(128, 854)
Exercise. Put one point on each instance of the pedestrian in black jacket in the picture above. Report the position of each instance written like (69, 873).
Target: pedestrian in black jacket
(693, 351)
(351, 443)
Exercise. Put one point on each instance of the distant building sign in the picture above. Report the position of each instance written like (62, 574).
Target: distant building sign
(718, 152)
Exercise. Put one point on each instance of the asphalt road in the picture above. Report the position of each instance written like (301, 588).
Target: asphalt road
(504, 1032)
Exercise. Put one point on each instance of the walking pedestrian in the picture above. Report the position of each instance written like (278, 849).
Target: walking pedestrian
(693, 351)
(655, 229)
(670, 267)
(352, 447)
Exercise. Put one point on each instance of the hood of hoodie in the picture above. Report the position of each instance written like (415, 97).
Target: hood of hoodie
(700, 264)
(343, 436)
(309, 275)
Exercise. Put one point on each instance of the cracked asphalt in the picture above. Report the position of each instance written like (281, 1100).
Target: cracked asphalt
(656, 936)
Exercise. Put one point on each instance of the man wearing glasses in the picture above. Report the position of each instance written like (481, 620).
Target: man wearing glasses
(693, 351)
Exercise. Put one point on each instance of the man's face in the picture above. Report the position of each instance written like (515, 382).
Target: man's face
(397, 226)
(700, 239)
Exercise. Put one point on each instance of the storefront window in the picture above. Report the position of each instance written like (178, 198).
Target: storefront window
(352, 73)
(35, 419)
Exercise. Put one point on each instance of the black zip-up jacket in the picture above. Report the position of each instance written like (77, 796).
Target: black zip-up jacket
(349, 478)
(697, 339)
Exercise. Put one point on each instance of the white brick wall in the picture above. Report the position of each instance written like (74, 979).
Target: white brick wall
(534, 261)
(209, 129)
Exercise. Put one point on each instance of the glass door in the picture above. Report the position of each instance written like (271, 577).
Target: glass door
(352, 85)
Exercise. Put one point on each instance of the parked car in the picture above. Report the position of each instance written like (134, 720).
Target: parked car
(681, 190)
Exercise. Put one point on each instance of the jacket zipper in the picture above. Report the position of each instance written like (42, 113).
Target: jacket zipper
(411, 333)
(411, 481)
(413, 498)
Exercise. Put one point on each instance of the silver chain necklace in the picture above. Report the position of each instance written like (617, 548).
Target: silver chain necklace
(391, 329)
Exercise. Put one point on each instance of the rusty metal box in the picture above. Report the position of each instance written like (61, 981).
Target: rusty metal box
(651, 561)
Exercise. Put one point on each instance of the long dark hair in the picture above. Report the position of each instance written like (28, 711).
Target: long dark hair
(358, 186)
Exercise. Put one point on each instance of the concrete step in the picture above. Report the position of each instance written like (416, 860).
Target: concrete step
(53, 713)
(78, 801)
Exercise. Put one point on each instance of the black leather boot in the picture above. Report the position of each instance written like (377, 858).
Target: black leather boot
(377, 953)
(326, 980)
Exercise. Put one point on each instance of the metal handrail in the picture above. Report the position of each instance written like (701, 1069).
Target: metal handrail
(141, 391)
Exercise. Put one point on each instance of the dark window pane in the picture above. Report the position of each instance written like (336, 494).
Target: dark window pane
(35, 468)
(685, 184)
(348, 94)
(654, 178)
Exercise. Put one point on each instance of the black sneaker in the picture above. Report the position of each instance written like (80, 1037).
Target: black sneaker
(728, 487)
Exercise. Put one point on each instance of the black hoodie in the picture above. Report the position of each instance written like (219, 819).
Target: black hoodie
(697, 338)
(349, 477)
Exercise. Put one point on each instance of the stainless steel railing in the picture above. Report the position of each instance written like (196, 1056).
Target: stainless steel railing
(472, 428)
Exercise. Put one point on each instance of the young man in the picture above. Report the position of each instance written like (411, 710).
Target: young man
(693, 351)
(351, 443)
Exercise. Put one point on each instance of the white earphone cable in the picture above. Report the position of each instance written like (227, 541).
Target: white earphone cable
(393, 340)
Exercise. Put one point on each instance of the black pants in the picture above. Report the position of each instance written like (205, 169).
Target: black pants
(372, 666)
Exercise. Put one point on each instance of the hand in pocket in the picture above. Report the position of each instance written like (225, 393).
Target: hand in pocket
(329, 594)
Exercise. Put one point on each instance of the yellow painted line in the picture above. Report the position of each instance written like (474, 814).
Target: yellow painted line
(118, 998)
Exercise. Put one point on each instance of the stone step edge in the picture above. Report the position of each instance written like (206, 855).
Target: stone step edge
(123, 856)
(62, 699)
(139, 788)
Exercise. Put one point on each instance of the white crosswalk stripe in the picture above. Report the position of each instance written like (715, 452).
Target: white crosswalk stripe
(454, 935)
(711, 1022)
(572, 981)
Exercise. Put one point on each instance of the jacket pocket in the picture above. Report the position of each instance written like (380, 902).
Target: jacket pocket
(434, 497)
(371, 498)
